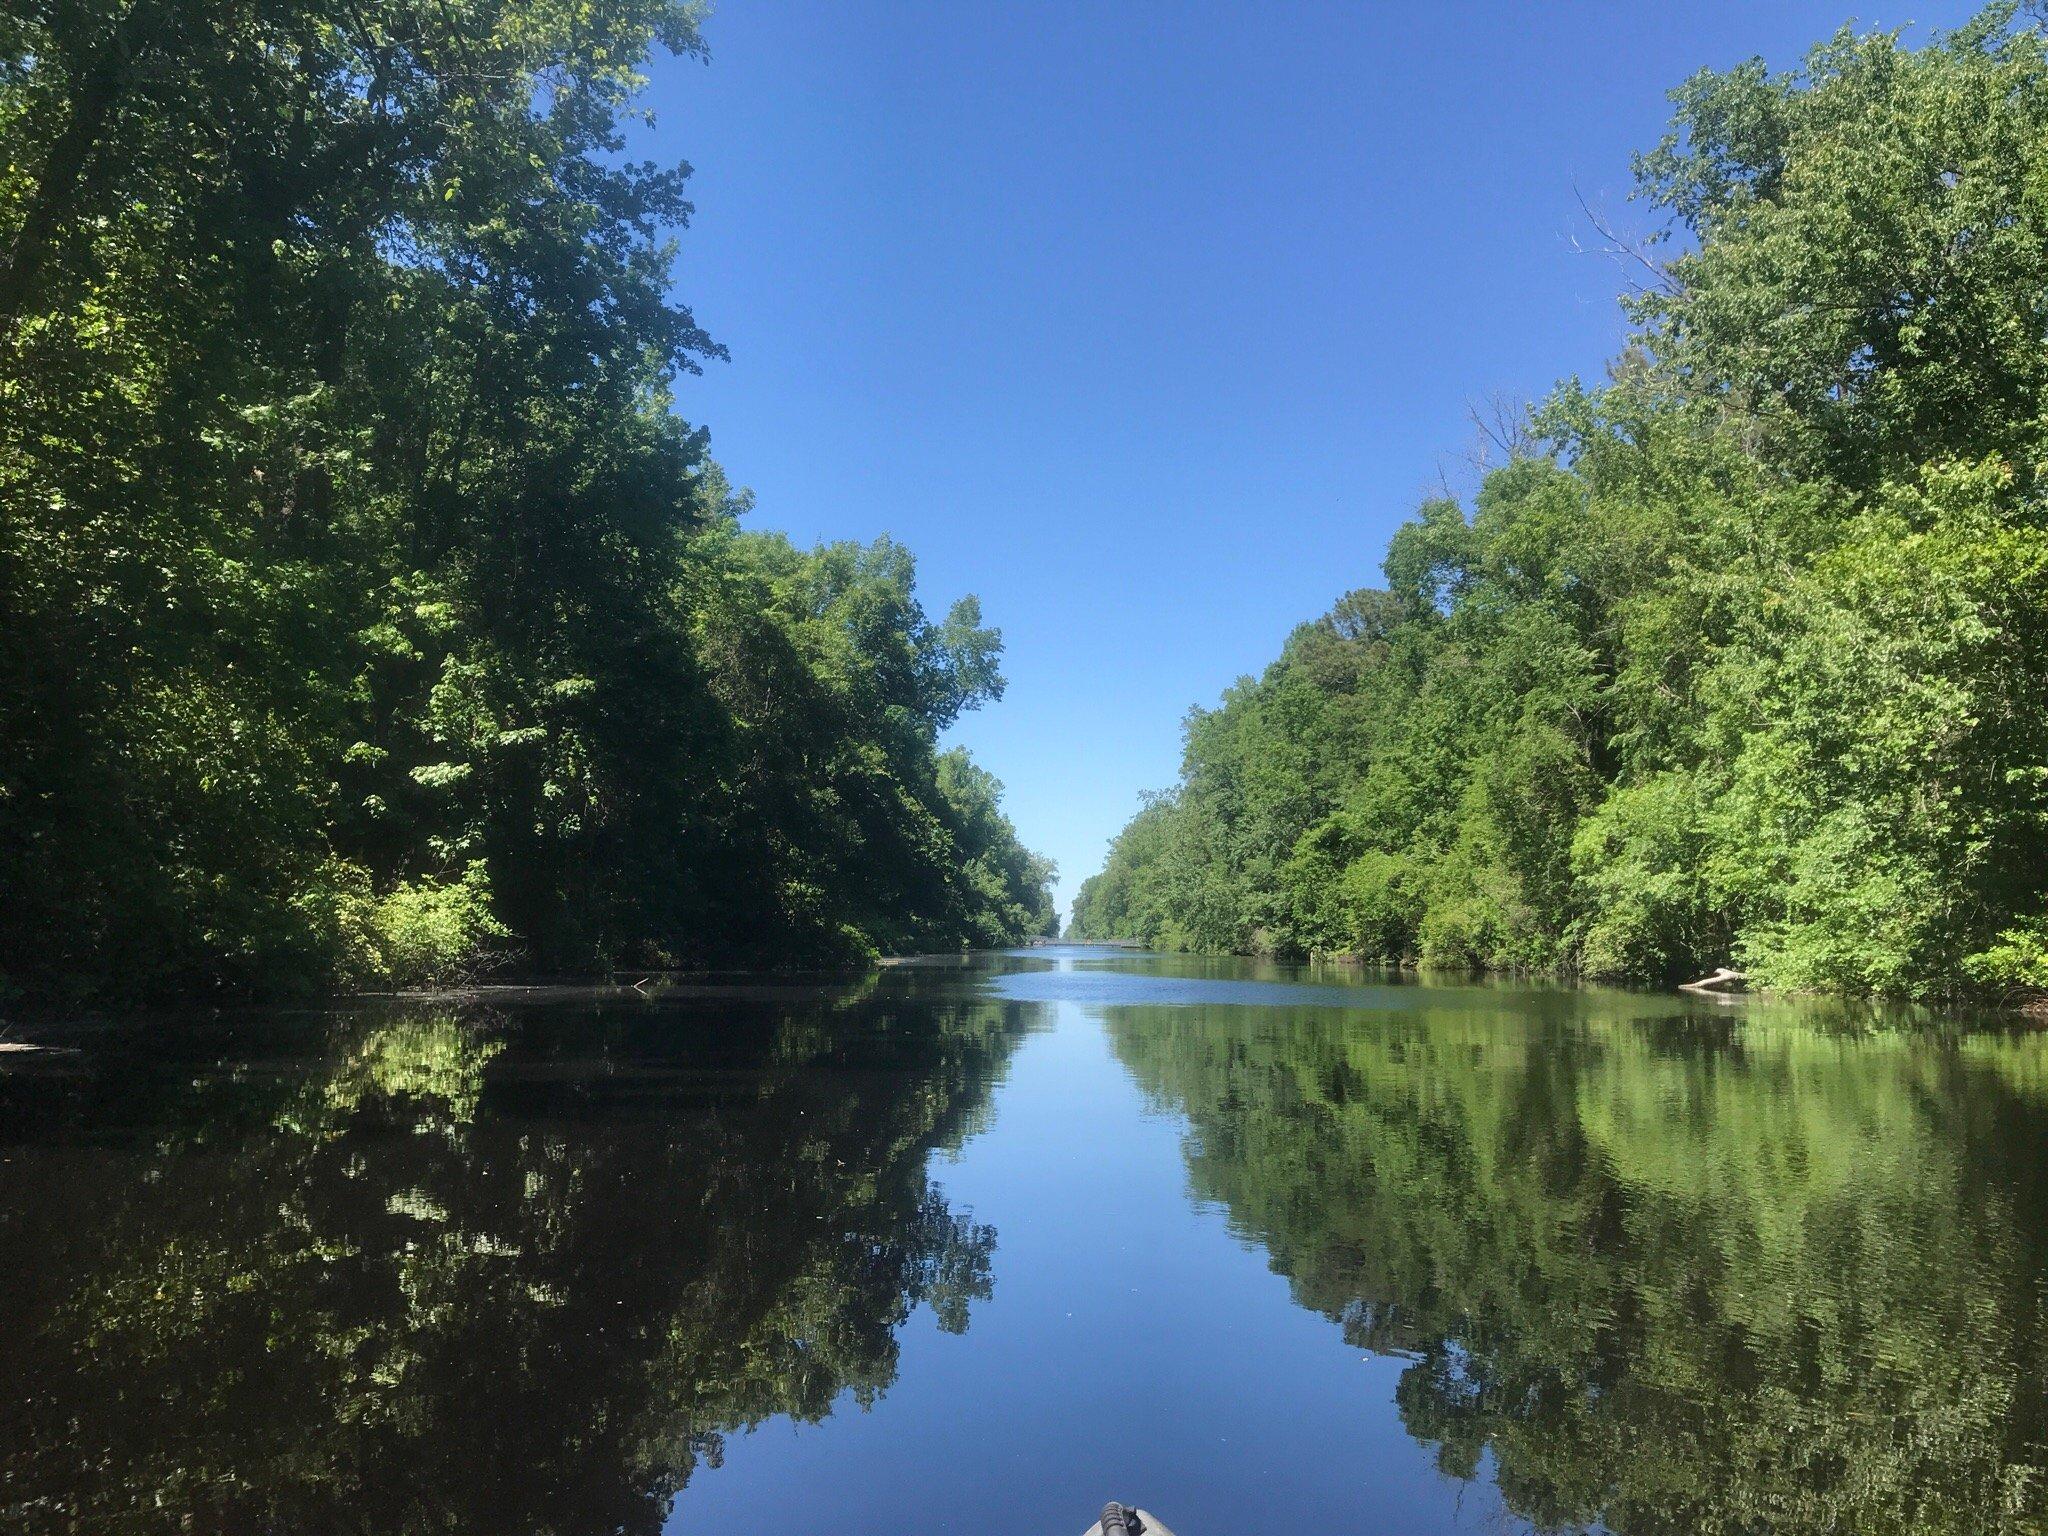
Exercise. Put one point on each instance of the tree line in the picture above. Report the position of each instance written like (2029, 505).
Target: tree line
(369, 611)
(1737, 657)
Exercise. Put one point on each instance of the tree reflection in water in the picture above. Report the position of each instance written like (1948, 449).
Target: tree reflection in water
(466, 1271)
(1675, 1275)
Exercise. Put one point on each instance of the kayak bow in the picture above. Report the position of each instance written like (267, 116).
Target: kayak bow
(1123, 1520)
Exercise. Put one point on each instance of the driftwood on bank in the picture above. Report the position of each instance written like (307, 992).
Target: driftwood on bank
(1723, 980)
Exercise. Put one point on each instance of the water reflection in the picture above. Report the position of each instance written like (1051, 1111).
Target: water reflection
(1672, 1271)
(467, 1270)
(1619, 1261)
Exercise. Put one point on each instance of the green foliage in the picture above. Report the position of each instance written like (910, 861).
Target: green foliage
(351, 545)
(427, 932)
(2018, 961)
(1747, 664)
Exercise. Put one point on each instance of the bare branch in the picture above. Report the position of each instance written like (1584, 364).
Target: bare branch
(1501, 420)
(1619, 247)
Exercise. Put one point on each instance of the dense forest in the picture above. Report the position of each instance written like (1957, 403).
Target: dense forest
(1738, 657)
(369, 611)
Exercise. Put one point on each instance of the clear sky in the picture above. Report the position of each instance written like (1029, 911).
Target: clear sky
(1149, 321)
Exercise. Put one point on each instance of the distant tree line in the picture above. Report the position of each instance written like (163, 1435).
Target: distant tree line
(1740, 657)
(365, 608)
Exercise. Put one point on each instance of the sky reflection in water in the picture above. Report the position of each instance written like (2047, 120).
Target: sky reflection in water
(977, 1245)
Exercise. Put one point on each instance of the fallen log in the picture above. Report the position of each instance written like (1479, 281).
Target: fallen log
(1725, 979)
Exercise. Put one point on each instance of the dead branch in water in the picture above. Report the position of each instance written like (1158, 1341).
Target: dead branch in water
(1723, 980)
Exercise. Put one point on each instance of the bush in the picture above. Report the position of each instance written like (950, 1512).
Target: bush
(424, 932)
(2018, 962)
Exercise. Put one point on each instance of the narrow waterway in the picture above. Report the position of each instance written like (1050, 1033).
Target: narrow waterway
(977, 1245)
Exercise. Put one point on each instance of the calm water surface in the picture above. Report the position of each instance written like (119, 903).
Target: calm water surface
(977, 1246)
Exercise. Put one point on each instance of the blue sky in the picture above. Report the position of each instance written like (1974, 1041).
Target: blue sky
(1149, 322)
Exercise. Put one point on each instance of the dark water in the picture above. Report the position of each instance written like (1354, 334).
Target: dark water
(977, 1247)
